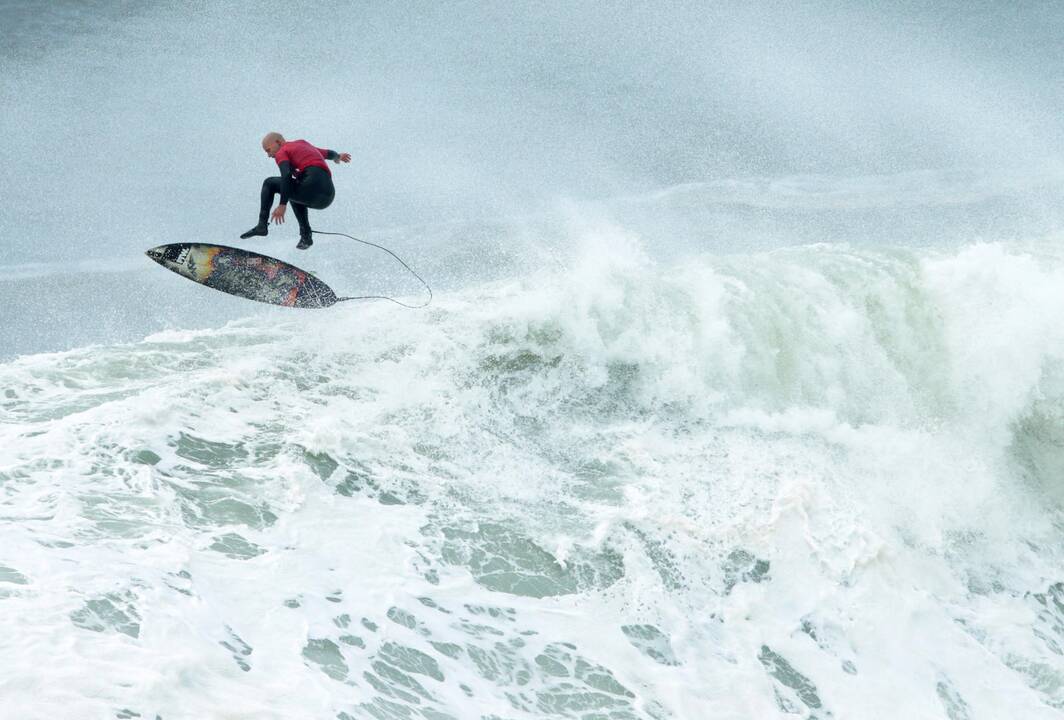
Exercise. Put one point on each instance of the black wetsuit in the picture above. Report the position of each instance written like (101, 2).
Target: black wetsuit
(312, 188)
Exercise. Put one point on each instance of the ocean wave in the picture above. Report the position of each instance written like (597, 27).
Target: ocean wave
(569, 492)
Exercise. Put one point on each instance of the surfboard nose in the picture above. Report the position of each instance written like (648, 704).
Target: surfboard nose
(170, 253)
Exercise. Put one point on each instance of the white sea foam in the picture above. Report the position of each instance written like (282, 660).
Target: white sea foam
(815, 480)
(775, 428)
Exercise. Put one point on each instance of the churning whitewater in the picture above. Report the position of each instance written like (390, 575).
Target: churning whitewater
(817, 481)
(740, 394)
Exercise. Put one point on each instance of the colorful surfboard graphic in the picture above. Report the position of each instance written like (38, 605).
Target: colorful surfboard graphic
(245, 274)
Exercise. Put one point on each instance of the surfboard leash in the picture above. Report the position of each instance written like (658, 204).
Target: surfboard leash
(401, 262)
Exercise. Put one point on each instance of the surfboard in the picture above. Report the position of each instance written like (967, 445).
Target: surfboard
(245, 274)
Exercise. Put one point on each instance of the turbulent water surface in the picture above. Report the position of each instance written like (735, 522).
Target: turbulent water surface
(817, 481)
(734, 401)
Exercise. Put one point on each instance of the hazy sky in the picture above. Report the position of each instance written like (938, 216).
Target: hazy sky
(127, 124)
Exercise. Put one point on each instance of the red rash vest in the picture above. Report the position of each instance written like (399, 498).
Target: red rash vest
(300, 155)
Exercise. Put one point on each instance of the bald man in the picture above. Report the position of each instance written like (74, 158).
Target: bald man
(305, 181)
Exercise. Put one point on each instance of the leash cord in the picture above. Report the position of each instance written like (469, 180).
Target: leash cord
(401, 262)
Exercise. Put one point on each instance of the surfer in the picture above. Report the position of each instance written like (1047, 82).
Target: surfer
(305, 181)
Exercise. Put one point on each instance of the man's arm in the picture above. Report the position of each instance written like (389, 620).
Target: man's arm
(287, 184)
(336, 157)
(287, 188)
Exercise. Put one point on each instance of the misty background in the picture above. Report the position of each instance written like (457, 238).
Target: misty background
(479, 130)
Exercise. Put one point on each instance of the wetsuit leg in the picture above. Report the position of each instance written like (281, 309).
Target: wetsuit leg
(270, 186)
(300, 211)
(314, 190)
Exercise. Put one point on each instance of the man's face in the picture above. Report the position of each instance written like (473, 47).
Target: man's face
(271, 147)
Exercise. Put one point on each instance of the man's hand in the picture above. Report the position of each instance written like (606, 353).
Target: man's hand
(343, 157)
(278, 214)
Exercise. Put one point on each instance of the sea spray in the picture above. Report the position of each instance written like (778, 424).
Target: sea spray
(812, 480)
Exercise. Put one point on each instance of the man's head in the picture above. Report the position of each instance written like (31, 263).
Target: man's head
(272, 142)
